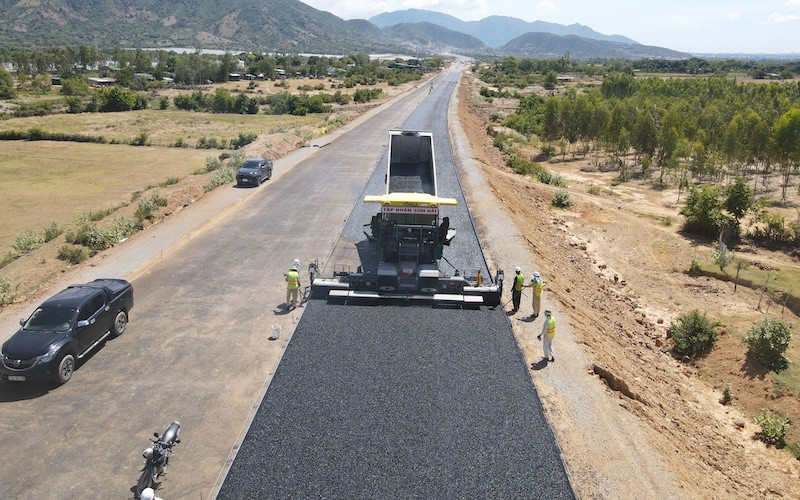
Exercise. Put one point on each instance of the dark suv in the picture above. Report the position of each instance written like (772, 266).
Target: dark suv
(65, 328)
(253, 171)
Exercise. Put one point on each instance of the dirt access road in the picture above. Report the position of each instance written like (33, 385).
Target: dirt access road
(631, 420)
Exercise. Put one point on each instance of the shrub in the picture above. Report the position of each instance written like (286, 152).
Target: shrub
(147, 208)
(90, 236)
(74, 104)
(140, 139)
(8, 292)
(693, 333)
(170, 181)
(768, 340)
(73, 254)
(28, 241)
(52, 231)
(694, 266)
(221, 177)
(163, 103)
(7, 259)
(727, 394)
(773, 428)
(561, 199)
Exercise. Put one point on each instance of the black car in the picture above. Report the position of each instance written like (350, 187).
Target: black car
(65, 328)
(253, 172)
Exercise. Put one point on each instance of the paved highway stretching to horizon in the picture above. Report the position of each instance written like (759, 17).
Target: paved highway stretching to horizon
(399, 401)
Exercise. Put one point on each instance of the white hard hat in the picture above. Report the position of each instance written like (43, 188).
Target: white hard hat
(536, 275)
(517, 269)
(147, 494)
(296, 262)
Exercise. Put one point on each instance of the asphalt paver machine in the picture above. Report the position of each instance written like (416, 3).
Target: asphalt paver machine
(408, 238)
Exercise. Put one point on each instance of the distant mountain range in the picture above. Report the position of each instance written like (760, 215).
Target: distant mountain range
(548, 45)
(274, 25)
(292, 26)
(494, 31)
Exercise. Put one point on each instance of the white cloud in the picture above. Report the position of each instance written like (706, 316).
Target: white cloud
(733, 16)
(782, 18)
(792, 4)
(546, 5)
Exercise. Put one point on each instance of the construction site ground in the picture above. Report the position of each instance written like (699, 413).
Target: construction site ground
(632, 419)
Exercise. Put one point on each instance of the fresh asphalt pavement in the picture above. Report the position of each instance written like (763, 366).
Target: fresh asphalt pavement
(397, 400)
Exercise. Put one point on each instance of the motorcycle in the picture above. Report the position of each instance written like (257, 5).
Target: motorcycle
(157, 457)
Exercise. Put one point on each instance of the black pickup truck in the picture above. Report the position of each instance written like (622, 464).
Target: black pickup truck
(65, 328)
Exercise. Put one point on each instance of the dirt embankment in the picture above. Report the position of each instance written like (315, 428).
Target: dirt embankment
(601, 266)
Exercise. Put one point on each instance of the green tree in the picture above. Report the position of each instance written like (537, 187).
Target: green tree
(550, 80)
(551, 120)
(739, 200)
(786, 140)
(6, 84)
(703, 211)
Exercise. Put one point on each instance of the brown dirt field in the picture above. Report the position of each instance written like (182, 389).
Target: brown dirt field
(620, 277)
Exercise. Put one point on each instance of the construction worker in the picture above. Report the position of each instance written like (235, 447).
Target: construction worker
(292, 284)
(538, 285)
(549, 331)
(516, 290)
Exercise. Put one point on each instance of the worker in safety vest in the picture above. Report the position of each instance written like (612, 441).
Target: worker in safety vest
(516, 289)
(538, 285)
(292, 284)
(549, 331)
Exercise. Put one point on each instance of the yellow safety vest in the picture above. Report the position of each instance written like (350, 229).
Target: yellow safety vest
(538, 288)
(292, 280)
(551, 327)
(519, 282)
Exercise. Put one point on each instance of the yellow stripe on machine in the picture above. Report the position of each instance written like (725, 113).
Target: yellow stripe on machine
(409, 200)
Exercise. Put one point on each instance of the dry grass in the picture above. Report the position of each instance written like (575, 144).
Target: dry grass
(163, 128)
(41, 182)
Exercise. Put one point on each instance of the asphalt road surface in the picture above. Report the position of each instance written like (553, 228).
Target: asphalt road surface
(399, 401)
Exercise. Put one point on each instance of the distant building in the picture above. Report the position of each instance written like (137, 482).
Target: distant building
(101, 82)
(234, 77)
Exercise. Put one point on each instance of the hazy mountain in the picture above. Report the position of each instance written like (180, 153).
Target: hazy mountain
(278, 25)
(494, 31)
(427, 37)
(547, 45)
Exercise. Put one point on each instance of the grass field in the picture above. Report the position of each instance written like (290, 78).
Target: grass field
(42, 182)
(163, 127)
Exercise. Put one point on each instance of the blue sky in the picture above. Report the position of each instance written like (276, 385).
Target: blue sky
(699, 26)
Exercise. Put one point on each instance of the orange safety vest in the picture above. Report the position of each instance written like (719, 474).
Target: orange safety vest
(551, 327)
(538, 284)
(292, 280)
(519, 282)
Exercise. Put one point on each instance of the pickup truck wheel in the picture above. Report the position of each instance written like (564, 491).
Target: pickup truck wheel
(120, 322)
(269, 174)
(66, 366)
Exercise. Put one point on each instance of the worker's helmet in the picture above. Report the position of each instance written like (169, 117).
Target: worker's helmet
(296, 263)
(147, 494)
(517, 269)
(536, 275)
(548, 312)
(294, 267)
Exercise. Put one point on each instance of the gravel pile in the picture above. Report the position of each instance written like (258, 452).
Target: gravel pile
(399, 401)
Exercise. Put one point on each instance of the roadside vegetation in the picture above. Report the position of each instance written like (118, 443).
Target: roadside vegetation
(722, 140)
